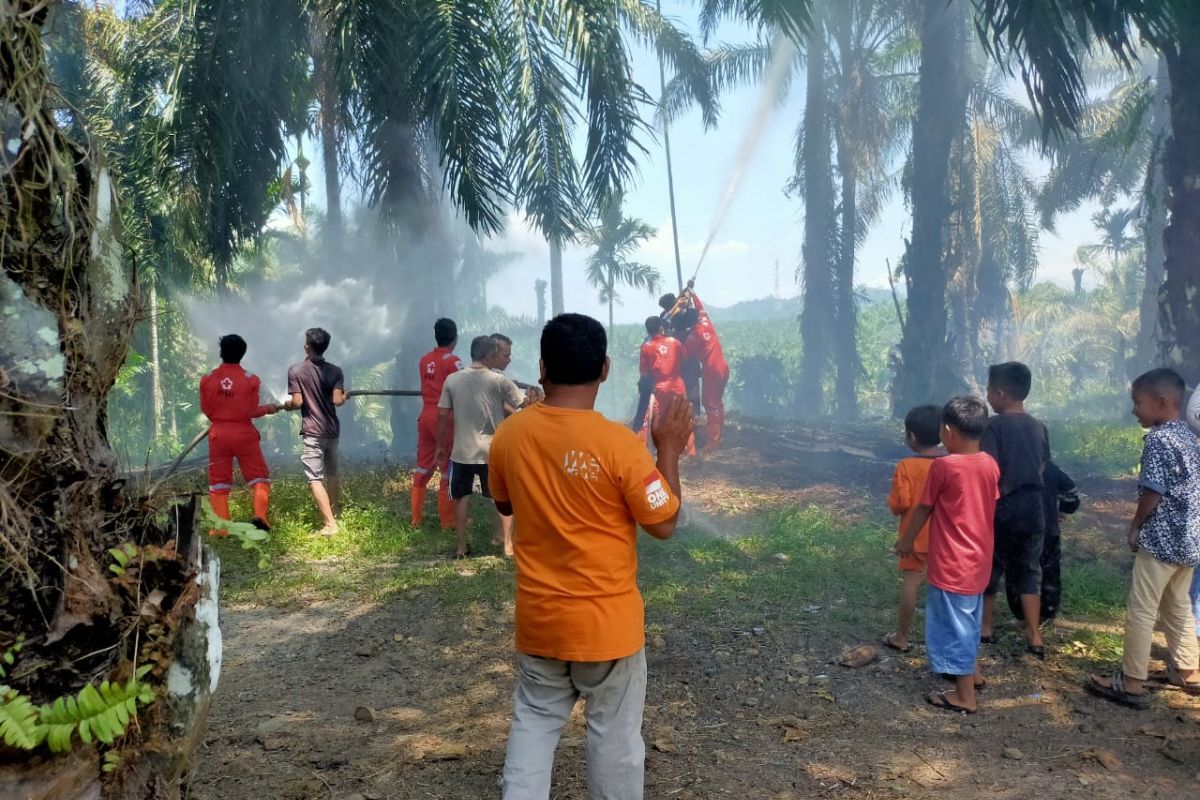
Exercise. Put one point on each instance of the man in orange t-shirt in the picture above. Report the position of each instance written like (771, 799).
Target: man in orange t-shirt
(436, 365)
(579, 486)
(922, 432)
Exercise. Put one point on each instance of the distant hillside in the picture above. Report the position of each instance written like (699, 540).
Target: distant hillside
(767, 308)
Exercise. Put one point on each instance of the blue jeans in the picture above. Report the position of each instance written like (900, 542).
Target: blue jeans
(952, 626)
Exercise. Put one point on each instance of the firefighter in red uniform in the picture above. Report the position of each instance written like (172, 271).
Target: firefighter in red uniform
(702, 344)
(229, 397)
(661, 362)
(436, 365)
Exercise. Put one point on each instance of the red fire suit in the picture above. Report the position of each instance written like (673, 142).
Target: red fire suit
(229, 397)
(703, 344)
(435, 366)
(662, 360)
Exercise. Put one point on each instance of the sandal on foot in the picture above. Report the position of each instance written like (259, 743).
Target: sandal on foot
(1171, 677)
(989, 639)
(940, 701)
(1038, 651)
(1116, 693)
(888, 640)
(460, 556)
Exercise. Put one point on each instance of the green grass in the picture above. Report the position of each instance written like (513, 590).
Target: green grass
(801, 565)
(1101, 449)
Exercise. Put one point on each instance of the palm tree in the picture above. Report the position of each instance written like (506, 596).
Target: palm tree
(615, 238)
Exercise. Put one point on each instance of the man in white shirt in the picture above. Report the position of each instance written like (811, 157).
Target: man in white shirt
(476, 400)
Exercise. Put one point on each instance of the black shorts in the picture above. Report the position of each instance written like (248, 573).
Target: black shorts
(462, 480)
(1020, 530)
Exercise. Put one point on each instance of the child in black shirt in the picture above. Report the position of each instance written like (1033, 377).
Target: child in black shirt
(1021, 446)
(1058, 497)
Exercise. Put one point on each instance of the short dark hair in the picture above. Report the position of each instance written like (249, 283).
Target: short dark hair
(925, 424)
(667, 301)
(654, 325)
(233, 348)
(445, 332)
(968, 415)
(1012, 377)
(500, 337)
(687, 318)
(574, 347)
(1162, 382)
(317, 340)
(483, 347)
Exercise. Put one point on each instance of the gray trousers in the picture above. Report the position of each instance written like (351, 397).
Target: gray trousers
(614, 694)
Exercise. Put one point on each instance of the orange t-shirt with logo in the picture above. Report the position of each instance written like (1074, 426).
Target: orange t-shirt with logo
(579, 485)
(907, 484)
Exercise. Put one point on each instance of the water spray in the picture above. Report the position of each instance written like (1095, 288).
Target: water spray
(783, 52)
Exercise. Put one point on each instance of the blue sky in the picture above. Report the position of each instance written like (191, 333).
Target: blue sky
(759, 241)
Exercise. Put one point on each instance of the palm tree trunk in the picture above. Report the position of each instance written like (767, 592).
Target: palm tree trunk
(1154, 223)
(846, 339)
(156, 394)
(556, 278)
(327, 101)
(941, 103)
(662, 84)
(1180, 309)
(816, 317)
(611, 300)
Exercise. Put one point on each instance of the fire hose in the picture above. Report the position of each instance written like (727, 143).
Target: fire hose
(204, 433)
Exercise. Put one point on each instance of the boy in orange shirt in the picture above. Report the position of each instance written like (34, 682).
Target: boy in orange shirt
(922, 431)
(579, 486)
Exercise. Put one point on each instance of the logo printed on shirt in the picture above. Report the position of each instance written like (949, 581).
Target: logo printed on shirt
(656, 494)
(227, 387)
(581, 464)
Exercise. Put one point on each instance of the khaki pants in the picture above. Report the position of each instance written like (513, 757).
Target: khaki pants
(614, 693)
(1159, 592)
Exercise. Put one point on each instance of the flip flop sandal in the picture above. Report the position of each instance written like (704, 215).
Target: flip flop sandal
(1116, 693)
(886, 641)
(1038, 651)
(461, 556)
(939, 701)
(987, 639)
(1171, 677)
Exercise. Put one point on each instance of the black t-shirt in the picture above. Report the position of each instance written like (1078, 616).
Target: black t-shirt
(315, 379)
(1021, 446)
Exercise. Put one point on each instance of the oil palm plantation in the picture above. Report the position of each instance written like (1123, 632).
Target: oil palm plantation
(614, 239)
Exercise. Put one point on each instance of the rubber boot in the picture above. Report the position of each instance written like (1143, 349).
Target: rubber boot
(261, 502)
(418, 504)
(445, 506)
(220, 505)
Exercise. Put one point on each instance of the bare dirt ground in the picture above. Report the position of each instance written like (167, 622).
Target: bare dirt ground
(404, 700)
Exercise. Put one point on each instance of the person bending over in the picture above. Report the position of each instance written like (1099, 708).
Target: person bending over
(317, 388)
(472, 406)
(579, 486)
(229, 397)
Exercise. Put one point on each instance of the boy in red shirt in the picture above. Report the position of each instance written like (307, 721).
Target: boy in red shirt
(662, 362)
(436, 365)
(922, 431)
(960, 497)
(229, 397)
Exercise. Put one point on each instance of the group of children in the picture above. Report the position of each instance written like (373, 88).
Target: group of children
(986, 508)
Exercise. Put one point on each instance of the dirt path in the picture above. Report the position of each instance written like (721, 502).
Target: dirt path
(406, 700)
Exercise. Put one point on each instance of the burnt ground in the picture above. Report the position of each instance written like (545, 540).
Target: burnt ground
(409, 696)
